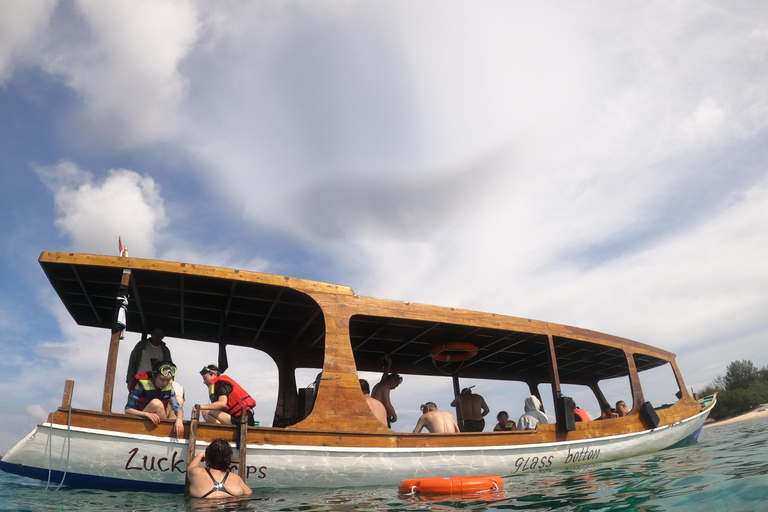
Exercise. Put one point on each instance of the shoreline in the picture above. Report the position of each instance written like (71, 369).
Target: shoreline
(759, 412)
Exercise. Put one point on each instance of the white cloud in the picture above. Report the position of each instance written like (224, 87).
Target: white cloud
(94, 213)
(125, 63)
(20, 24)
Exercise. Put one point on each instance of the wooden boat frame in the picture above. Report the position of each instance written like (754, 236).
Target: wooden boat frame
(302, 323)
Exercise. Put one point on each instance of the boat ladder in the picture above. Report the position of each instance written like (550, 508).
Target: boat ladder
(241, 443)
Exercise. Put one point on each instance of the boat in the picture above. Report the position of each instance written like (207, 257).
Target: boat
(327, 437)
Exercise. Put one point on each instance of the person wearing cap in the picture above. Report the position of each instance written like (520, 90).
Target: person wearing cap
(145, 353)
(153, 397)
(435, 420)
(473, 410)
(228, 398)
(388, 382)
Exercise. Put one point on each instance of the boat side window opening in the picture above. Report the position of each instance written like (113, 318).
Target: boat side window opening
(584, 397)
(307, 383)
(658, 381)
(614, 390)
(254, 370)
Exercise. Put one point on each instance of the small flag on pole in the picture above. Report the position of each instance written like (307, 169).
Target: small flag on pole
(120, 246)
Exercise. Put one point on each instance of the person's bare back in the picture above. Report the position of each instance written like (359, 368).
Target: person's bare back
(377, 408)
(473, 407)
(436, 421)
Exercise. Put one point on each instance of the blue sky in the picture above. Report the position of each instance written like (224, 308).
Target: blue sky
(598, 165)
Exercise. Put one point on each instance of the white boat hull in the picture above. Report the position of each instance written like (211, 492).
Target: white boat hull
(99, 458)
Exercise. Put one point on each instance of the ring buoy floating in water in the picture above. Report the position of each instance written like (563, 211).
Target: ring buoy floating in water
(452, 485)
(456, 351)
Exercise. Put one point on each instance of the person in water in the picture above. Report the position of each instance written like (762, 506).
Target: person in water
(533, 414)
(153, 396)
(219, 482)
(473, 409)
(228, 399)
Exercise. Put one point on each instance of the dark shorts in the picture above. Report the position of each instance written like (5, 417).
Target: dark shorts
(474, 425)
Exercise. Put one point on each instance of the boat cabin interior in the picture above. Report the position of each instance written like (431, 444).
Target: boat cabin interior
(306, 324)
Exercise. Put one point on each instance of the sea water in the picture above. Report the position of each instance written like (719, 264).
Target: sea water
(726, 470)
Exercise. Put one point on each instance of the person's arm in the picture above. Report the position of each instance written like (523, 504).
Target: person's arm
(133, 402)
(485, 407)
(387, 367)
(420, 425)
(391, 414)
(220, 403)
(195, 463)
(455, 427)
(243, 486)
(178, 426)
(455, 401)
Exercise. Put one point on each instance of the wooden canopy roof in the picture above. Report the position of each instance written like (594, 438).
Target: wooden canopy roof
(277, 315)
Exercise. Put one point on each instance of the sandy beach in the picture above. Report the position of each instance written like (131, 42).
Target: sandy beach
(760, 412)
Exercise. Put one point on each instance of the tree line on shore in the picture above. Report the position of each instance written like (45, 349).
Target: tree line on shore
(741, 389)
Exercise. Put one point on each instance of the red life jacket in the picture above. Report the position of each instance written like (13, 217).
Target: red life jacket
(150, 391)
(237, 401)
(581, 414)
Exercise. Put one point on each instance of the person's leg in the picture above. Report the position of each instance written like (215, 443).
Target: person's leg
(217, 416)
(157, 407)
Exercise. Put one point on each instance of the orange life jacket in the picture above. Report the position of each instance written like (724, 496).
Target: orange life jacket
(237, 401)
(581, 414)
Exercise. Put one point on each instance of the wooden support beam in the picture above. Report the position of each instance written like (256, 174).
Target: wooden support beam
(192, 442)
(114, 346)
(553, 372)
(66, 400)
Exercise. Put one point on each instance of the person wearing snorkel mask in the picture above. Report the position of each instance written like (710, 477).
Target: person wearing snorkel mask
(153, 397)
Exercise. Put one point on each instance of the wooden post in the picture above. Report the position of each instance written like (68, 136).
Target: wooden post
(114, 345)
(243, 442)
(191, 446)
(456, 391)
(554, 372)
(66, 400)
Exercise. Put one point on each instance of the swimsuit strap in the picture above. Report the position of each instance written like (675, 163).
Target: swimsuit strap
(217, 486)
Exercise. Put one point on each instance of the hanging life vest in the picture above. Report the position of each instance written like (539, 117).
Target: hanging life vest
(581, 415)
(237, 401)
(149, 391)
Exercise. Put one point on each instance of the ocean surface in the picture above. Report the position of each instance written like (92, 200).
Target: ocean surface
(727, 470)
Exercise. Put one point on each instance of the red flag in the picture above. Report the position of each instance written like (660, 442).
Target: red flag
(120, 246)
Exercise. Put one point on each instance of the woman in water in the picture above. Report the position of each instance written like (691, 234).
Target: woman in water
(215, 480)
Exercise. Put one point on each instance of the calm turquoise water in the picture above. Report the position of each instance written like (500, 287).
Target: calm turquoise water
(726, 470)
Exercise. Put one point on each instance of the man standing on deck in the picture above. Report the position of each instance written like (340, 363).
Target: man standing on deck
(388, 382)
(146, 352)
(435, 420)
(473, 408)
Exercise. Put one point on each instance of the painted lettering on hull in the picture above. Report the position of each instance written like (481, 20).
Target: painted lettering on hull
(138, 462)
(585, 454)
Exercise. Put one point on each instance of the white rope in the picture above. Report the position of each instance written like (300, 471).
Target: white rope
(69, 446)
(49, 449)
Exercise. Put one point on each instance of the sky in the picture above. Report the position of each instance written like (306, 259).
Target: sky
(594, 164)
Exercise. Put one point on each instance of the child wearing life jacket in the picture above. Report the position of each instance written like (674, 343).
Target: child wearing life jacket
(153, 397)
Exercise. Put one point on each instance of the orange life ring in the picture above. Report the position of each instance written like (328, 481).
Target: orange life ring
(452, 485)
(456, 351)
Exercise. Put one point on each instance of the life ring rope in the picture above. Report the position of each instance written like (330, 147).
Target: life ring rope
(453, 352)
(451, 485)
